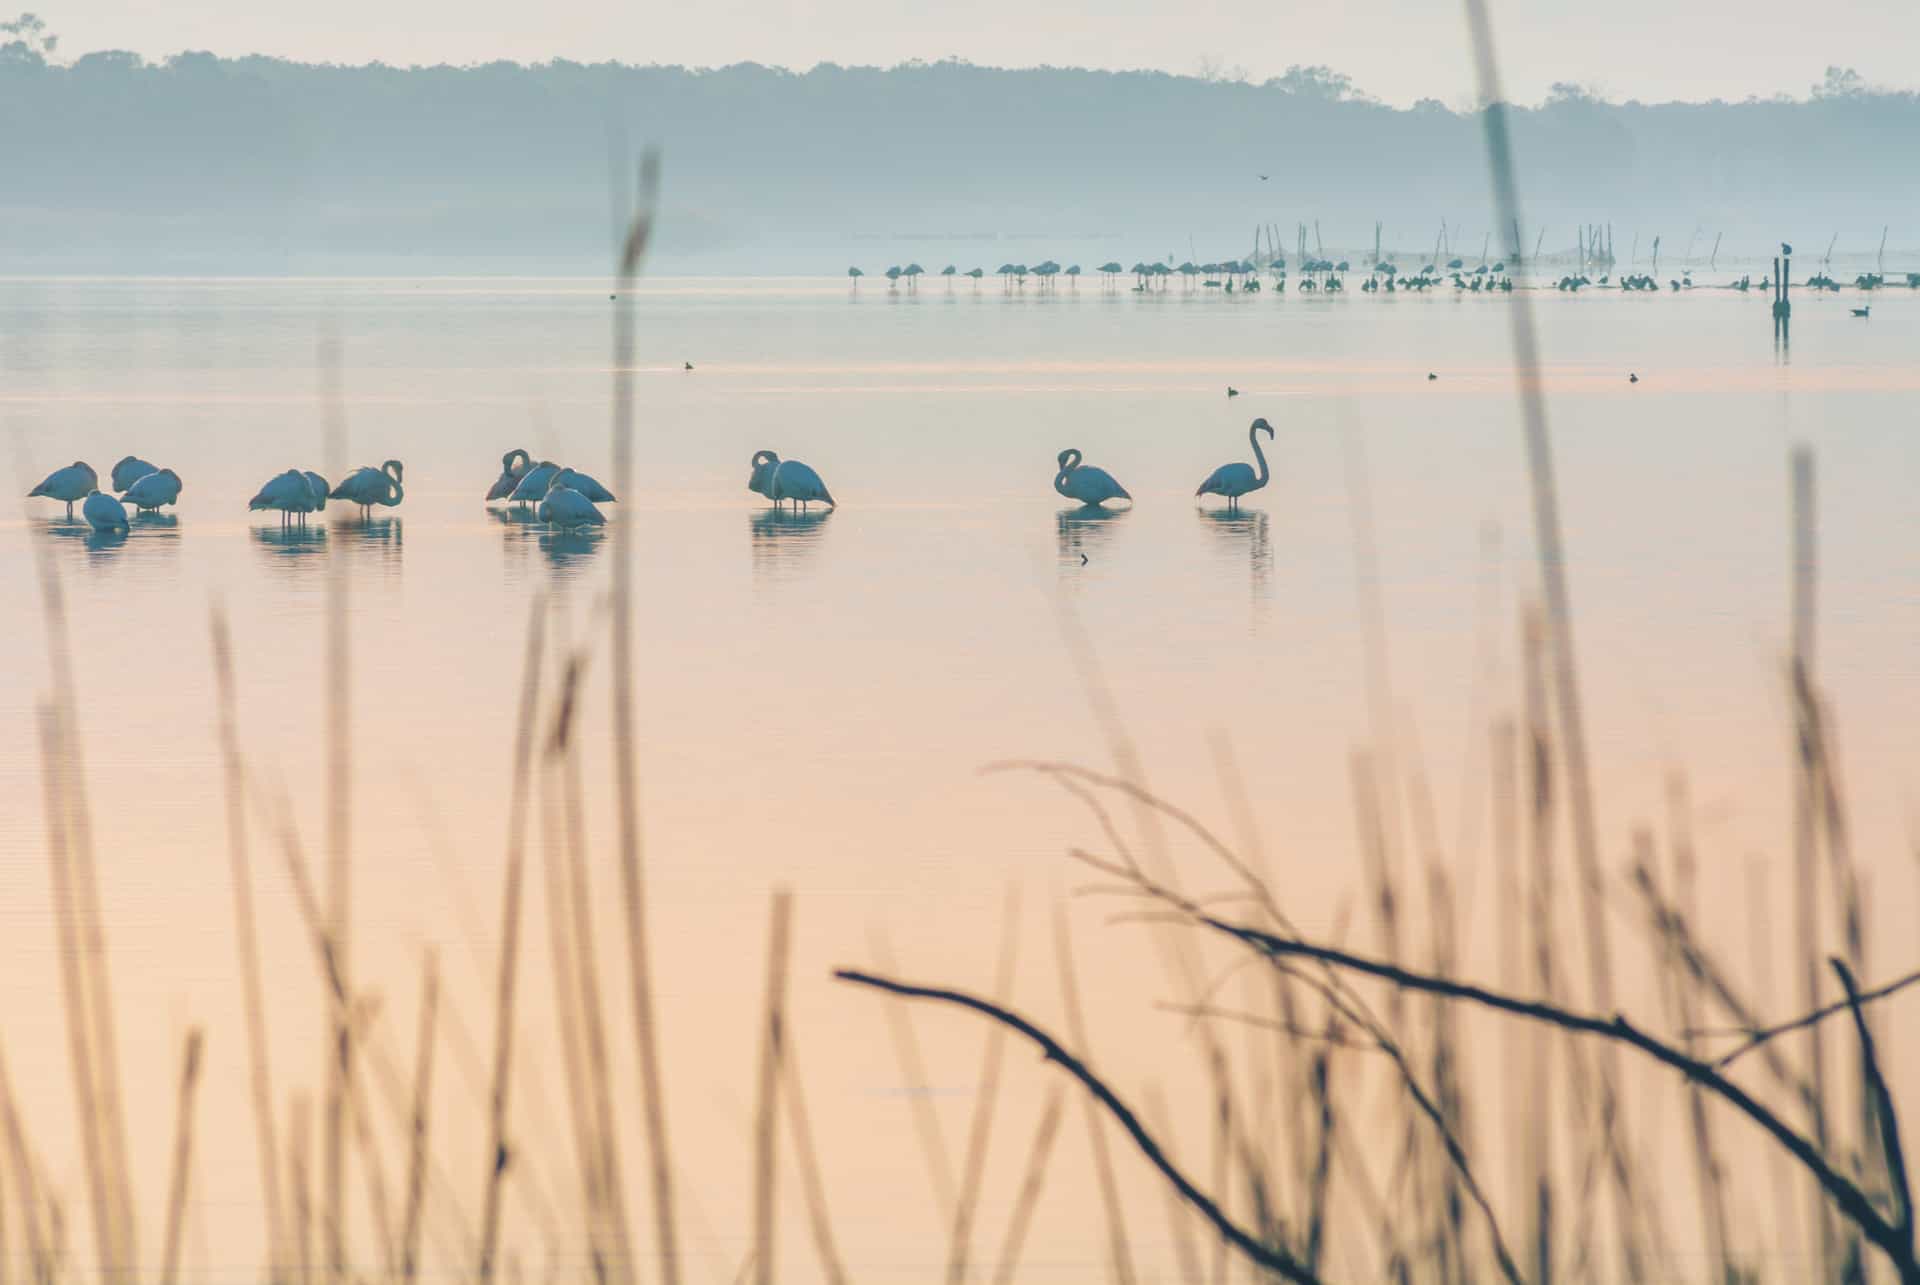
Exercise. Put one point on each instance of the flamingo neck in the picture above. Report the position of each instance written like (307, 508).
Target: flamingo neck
(1260, 456)
(1067, 466)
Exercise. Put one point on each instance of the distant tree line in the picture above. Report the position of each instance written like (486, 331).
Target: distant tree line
(114, 159)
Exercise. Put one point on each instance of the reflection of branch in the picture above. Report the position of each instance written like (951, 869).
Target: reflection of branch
(1272, 1257)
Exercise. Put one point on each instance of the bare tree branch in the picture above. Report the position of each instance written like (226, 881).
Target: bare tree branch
(1272, 1257)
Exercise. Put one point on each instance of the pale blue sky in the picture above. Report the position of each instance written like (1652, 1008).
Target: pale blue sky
(1398, 50)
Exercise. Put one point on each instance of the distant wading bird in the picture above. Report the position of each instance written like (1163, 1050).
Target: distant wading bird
(513, 466)
(568, 509)
(104, 513)
(1083, 482)
(70, 484)
(130, 470)
(291, 494)
(1236, 479)
(569, 479)
(533, 483)
(782, 480)
(152, 490)
(367, 487)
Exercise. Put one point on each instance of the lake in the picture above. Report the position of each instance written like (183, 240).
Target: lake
(817, 694)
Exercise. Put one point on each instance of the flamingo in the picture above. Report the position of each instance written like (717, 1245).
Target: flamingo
(533, 483)
(781, 481)
(367, 487)
(130, 470)
(104, 513)
(570, 480)
(1236, 479)
(288, 494)
(70, 484)
(153, 490)
(513, 466)
(317, 487)
(568, 509)
(1085, 483)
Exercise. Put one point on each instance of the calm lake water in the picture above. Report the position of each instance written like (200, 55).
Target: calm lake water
(817, 695)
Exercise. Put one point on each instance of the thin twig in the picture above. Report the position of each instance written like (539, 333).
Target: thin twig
(1755, 1038)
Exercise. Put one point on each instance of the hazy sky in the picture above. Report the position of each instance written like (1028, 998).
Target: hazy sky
(1398, 50)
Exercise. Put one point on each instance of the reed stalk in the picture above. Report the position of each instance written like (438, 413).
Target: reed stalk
(626, 771)
(498, 1155)
(247, 937)
(1032, 1182)
(339, 737)
(767, 1110)
(832, 1269)
(1120, 1257)
(417, 1155)
(179, 1183)
(66, 918)
(26, 1184)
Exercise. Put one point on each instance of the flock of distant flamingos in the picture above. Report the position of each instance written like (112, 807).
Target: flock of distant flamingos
(563, 497)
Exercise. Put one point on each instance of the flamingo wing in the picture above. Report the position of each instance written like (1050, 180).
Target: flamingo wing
(1091, 485)
(1229, 480)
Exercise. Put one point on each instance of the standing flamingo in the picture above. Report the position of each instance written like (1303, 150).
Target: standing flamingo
(782, 480)
(130, 470)
(70, 484)
(1236, 479)
(367, 487)
(152, 490)
(513, 466)
(1083, 482)
(104, 513)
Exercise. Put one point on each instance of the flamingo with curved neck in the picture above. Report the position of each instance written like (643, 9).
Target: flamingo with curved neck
(782, 480)
(367, 487)
(1237, 479)
(513, 466)
(1084, 482)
